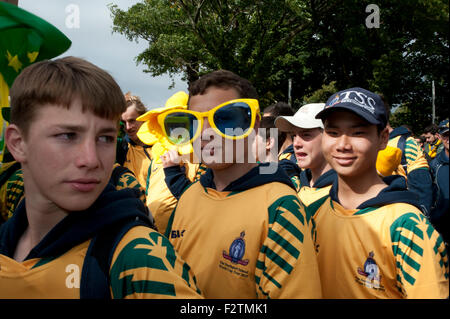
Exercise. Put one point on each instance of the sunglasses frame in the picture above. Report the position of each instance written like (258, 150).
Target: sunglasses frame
(252, 103)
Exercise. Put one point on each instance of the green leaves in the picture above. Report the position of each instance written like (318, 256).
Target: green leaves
(312, 42)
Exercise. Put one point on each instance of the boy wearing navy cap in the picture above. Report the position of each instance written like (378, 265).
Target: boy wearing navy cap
(373, 240)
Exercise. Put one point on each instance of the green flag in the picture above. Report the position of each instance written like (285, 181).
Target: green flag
(24, 39)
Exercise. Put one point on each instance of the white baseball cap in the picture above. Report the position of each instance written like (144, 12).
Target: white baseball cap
(305, 117)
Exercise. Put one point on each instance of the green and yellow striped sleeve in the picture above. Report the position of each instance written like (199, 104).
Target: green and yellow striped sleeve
(287, 265)
(145, 265)
(420, 256)
(415, 158)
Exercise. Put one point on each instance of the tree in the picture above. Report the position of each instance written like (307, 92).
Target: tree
(312, 42)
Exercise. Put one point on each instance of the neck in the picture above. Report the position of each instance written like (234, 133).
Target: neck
(287, 142)
(42, 216)
(223, 177)
(318, 171)
(353, 191)
(138, 142)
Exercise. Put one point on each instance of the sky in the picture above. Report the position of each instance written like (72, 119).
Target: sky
(88, 24)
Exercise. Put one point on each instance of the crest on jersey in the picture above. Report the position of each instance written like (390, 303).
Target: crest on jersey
(236, 251)
(370, 276)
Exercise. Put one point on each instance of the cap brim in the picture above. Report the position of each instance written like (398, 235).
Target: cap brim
(327, 111)
(283, 124)
(289, 123)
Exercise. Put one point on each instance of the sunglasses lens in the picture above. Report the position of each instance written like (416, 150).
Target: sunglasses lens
(180, 127)
(233, 119)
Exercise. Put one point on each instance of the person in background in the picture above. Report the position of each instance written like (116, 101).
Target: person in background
(439, 215)
(403, 156)
(317, 175)
(433, 144)
(132, 153)
(282, 109)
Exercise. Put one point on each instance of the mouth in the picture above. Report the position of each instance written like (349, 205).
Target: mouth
(84, 184)
(300, 154)
(344, 161)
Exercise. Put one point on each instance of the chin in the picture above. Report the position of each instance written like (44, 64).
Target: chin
(218, 166)
(78, 203)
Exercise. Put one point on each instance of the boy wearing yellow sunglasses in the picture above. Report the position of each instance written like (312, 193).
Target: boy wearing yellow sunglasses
(244, 233)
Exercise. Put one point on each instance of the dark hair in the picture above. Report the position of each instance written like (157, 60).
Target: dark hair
(226, 80)
(60, 82)
(268, 122)
(433, 129)
(422, 139)
(279, 109)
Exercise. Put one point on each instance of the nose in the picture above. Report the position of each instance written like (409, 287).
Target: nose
(207, 132)
(297, 142)
(88, 155)
(343, 143)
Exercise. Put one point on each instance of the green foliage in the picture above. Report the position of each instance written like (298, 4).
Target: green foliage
(323, 46)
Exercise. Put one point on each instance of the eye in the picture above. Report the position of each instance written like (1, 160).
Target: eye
(66, 136)
(331, 133)
(359, 133)
(107, 139)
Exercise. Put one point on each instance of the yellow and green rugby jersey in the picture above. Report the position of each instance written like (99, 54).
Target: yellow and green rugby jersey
(144, 265)
(321, 188)
(160, 200)
(143, 262)
(381, 251)
(138, 161)
(252, 240)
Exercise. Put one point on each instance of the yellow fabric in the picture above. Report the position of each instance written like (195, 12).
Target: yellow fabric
(151, 132)
(433, 151)
(4, 102)
(160, 200)
(346, 241)
(57, 279)
(157, 272)
(138, 162)
(278, 258)
(388, 160)
(309, 195)
(160, 271)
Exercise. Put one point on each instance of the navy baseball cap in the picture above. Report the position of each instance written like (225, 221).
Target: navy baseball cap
(364, 103)
(443, 127)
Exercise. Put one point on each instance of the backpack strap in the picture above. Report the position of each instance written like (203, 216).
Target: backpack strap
(95, 283)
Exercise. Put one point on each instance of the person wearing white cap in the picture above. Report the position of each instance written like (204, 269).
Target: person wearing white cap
(317, 175)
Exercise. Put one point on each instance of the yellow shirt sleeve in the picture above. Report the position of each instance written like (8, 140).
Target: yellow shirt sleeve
(145, 265)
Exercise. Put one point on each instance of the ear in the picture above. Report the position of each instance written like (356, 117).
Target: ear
(15, 142)
(270, 142)
(384, 138)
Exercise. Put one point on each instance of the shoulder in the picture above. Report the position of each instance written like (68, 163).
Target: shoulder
(145, 263)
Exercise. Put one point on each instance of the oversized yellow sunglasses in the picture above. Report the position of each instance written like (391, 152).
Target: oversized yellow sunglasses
(233, 119)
